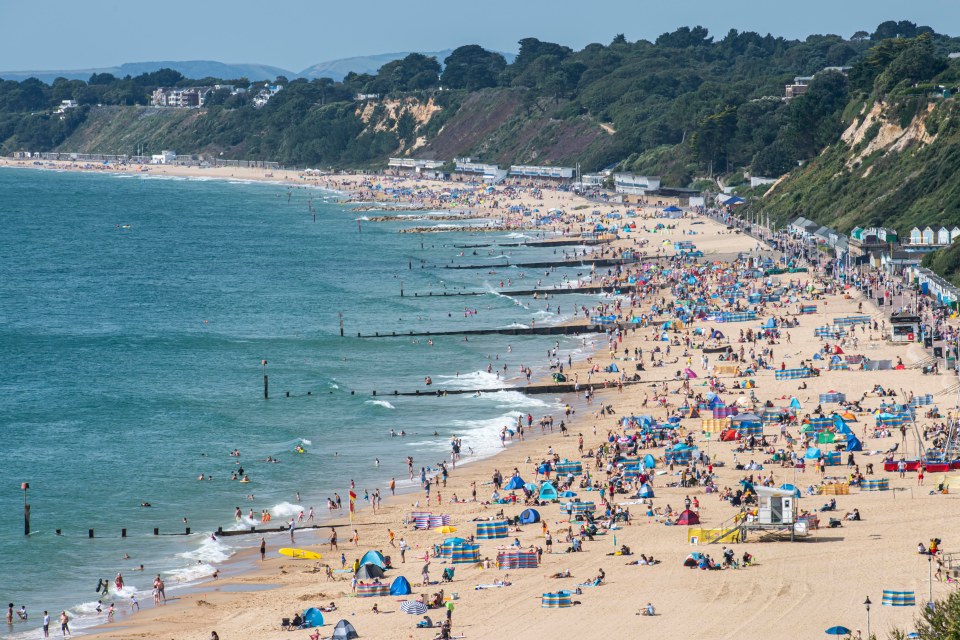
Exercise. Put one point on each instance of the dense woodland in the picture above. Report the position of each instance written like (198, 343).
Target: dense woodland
(686, 105)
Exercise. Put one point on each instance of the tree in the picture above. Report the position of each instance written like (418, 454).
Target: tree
(412, 73)
(710, 140)
(773, 161)
(686, 37)
(917, 62)
(859, 36)
(619, 39)
(472, 67)
(406, 127)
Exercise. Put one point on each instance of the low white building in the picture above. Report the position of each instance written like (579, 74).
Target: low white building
(164, 157)
(414, 164)
(634, 185)
(533, 171)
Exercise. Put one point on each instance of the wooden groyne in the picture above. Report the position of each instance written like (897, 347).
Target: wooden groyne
(556, 330)
(533, 389)
(585, 263)
(588, 290)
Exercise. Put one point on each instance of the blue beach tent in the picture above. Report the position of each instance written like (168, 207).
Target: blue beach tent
(374, 557)
(312, 617)
(548, 491)
(516, 483)
(400, 587)
(529, 516)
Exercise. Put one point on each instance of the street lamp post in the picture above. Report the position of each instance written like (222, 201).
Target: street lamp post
(867, 604)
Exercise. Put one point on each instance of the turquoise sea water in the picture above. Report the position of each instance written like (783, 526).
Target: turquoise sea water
(134, 315)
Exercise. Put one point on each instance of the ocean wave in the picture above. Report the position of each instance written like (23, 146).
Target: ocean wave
(380, 403)
(472, 380)
(517, 399)
(210, 550)
(363, 218)
(285, 510)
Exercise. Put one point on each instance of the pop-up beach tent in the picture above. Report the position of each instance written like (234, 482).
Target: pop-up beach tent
(369, 572)
(400, 587)
(344, 631)
(645, 491)
(688, 517)
(516, 483)
(374, 557)
(529, 516)
(548, 491)
(312, 617)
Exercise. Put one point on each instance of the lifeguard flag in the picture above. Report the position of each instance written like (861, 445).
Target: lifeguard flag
(353, 499)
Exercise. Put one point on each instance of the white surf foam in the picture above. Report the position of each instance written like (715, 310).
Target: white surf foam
(472, 380)
(380, 403)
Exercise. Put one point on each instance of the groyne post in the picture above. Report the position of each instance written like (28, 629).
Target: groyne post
(266, 383)
(341, 323)
(26, 509)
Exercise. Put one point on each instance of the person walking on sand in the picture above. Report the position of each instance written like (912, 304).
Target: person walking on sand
(263, 548)
(293, 528)
(46, 624)
(403, 550)
(356, 538)
(333, 538)
(393, 486)
(391, 535)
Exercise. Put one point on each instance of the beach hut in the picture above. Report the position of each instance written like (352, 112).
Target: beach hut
(369, 572)
(344, 631)
(688, 517)
(559, 600)
(312, 617)
(465, 553)
(374, 557)
(548, 491)
(529, 516)
(400, 587)
(516, 483)
(645, 491)
(492, 530)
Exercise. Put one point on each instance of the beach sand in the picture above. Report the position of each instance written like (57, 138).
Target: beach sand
(794, 590)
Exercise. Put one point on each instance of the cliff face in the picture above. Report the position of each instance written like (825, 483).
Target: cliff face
(496, 125)
(894, 165)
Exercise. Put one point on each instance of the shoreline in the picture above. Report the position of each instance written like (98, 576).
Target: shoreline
(794, 589)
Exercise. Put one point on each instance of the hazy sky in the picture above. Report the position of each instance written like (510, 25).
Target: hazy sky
(293, 34)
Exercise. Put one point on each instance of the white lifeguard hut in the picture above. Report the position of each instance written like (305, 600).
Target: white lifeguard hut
(776, 506)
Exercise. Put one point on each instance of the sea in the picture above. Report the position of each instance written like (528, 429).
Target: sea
(136, 314)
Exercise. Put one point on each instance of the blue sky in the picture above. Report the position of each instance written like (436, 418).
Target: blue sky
(293, 34)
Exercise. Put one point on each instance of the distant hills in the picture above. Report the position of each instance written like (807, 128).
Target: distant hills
(335, 69)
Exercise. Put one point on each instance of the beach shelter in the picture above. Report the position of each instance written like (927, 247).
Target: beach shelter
(893, 598)
(446, 548)
(313, 617)
(672, 209)
(492, 530)
(400, 587)
(568, 494)
(649, 462)
(559, 600)
(795, 403)
(369, 572)
(374, 557)
(548, 491)
(344, 631)
(688, 372)
(838, 631)
(516, 483)
(413, 607)
(688, 517)
(465, 553)
(529, 516)
(813, 454)
(645, 491)
(790, 487)
(853, 443)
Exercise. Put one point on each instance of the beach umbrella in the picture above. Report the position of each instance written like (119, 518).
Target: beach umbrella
(446, 529)
(832, 631)
(413, 607)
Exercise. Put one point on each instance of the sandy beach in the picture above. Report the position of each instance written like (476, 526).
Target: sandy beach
(791, 590)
